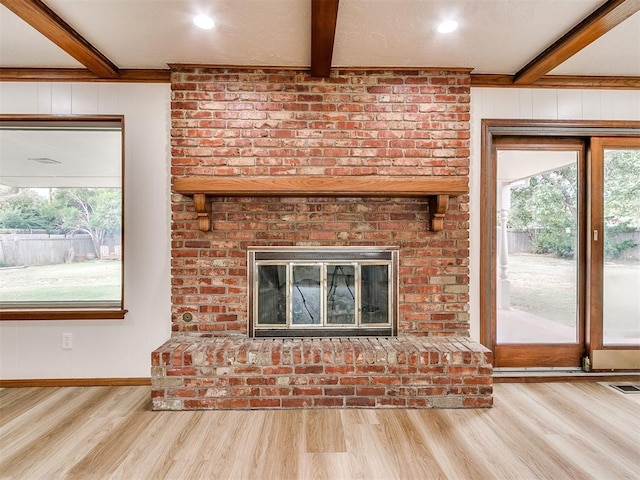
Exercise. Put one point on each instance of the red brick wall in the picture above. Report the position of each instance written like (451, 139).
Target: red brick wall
(198, 372)
(241, 122)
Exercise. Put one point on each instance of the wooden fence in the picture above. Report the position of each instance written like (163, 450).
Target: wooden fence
(520, 242)
(48, 249)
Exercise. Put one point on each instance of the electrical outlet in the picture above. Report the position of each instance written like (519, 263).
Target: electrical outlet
(67, 341)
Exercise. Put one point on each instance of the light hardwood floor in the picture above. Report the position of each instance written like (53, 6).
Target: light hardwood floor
(535, 431)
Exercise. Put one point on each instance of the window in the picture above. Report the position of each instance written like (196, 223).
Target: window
(61, 212)
(322, 292)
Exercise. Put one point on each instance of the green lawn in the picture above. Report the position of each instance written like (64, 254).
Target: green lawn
(546, 286)
(72, 282)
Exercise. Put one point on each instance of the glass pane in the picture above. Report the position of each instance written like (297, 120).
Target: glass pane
(537, 268)
(341, 299)
(375, 294)
(72, 257)
(60, 214)
(272, 294)
(306, 295)
(621, 309)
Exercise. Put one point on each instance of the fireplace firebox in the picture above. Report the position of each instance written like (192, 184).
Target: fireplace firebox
(322, 292)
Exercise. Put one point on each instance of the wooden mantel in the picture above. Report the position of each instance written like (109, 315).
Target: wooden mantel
(436, 189)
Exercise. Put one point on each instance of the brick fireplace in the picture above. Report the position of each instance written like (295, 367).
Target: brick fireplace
(268, 158)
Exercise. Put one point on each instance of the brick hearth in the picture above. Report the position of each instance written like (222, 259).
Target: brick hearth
(206, 372)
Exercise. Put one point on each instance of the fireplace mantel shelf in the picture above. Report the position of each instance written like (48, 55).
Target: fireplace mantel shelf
(437, 189)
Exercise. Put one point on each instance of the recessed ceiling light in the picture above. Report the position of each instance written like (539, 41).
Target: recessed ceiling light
(204, 22)
(447, 26)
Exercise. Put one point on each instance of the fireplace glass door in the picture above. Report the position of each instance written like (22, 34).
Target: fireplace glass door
(340, 294)
(305, 295)
(327, 296)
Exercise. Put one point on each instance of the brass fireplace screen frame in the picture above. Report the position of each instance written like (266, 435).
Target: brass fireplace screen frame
(323, 258)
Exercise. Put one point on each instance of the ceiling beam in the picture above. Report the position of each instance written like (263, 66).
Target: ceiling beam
(606, 17)
(49, 24)
(324, 15)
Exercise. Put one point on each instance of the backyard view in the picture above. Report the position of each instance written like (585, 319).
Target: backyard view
(96, 281)
(60, 245)
(539, 274)
(543, 287)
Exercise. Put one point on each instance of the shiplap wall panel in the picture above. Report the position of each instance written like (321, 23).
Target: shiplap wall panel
(623, 107)
(591, 104)
(525, 96)
(108, 97)
(545, 104)
(569, 104)
(504, 102)
(19, 100)
(43, 98)
(61, 98)
(107, 348)
(84, 98)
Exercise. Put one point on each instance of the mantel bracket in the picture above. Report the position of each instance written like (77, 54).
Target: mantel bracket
(202, 205)
(438, 205)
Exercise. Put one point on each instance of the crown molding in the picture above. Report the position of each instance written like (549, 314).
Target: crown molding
(82, 75)
(558, 81)
(164, 76)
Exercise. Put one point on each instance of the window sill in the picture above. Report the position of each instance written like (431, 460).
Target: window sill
(63, 314)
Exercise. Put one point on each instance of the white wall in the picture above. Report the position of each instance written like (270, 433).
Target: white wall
(539, 104)
(121, 348)
(107, 348)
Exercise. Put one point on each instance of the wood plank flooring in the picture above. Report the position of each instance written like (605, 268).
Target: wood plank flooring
(535, 431)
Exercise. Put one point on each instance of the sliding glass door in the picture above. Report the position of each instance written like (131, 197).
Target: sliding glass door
(538, 269)
(615, 254)
(560, 240)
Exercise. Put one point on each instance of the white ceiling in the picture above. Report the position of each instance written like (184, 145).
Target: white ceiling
(517, 165)
(495, 36)
(61, 157)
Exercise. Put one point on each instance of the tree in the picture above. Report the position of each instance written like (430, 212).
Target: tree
(545, 206)
(622, 187)
(621, 199)
(96, 212)
(23, 208)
